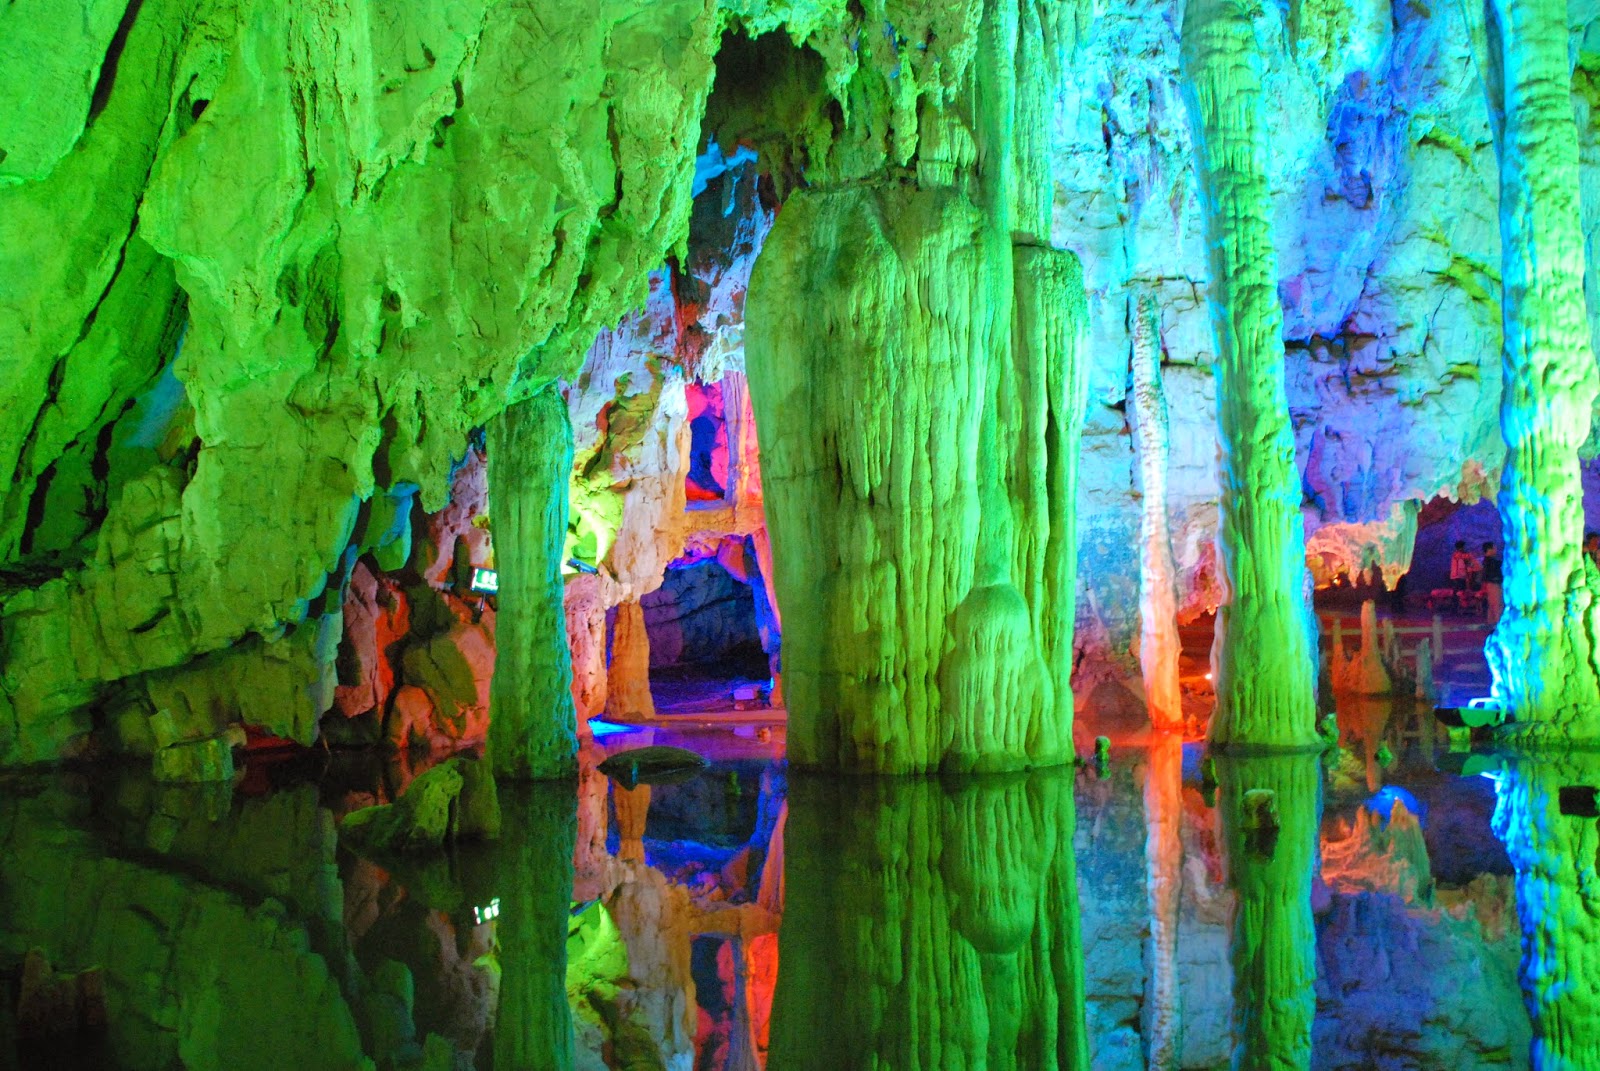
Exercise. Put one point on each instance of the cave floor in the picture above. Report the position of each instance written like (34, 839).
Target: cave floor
(221, 913)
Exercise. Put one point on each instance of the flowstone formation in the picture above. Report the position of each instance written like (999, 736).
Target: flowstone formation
(913, 345)
(1543, 653)
(1264, 656)
(958, 944)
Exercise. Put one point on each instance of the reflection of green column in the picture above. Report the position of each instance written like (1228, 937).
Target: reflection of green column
(1265, 659)
(533, 1023)
(532, 727)
(1542, 653)
(938, 926)
(1270, 808)
(1558, 904)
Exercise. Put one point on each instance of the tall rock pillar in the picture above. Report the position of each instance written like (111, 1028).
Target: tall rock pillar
(1159, 645)
(914, 353)
(532, 724)
(1542, 653)
(1264, 656)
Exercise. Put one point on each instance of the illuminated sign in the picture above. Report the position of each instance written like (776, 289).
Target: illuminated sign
(491, 910)
(486, 581)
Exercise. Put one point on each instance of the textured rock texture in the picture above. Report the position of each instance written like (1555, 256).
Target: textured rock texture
(1384, 197)
(914, 349)
(263, 264)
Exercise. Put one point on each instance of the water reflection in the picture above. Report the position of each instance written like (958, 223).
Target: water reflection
(1546, 817)
(534, 881)
(924, 924)
(1270, 807)
(930, 926)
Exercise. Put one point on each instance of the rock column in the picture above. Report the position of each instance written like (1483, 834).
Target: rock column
(913, 349)
(532, 726)
(1542, 653)
(1159, 645)
(1264, 656)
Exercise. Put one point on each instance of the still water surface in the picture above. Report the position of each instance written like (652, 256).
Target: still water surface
(1153, 914)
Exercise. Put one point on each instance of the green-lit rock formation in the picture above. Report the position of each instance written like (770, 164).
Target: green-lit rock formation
(1265, 661)
(913, 346)
(532, 725)
(1544, 651)
(958, 942)
(371, 228)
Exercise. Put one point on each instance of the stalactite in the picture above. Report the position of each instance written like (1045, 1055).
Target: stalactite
(1543, 652)
(1163, 847)
(1270, 809)
(1159, 645)
(1556, 856)
(958, 945)
(1265, 670)
(533, 1021)
(532, 726)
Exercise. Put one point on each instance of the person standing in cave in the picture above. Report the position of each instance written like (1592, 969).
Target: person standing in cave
(1492, 578)
(1461, 567)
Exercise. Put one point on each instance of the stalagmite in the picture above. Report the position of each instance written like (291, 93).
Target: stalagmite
(1265, 668)
(532, 727)
(628, 678)
(1543, 652)
(1163, 847)
(1270, 809)
(958, 944)
(1366, 672)
(914, 355)
(1545, 814)
(1159, 646)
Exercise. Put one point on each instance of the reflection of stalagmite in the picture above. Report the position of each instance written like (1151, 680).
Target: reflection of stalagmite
(532, 727)
(1543, 651)
(914, 355)
(1264, 654)
(1163, 810)
(1558, 901)
(633, 810)
(958, 944)
(533, 1023)
(1158, 593)
(1270, 810)
(628, 679)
